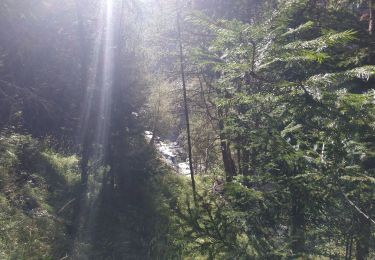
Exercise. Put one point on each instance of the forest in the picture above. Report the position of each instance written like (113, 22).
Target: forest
(187, 129)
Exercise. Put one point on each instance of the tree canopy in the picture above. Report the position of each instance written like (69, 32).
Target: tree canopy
(201, 129)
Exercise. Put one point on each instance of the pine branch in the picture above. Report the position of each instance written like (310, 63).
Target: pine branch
(335, 79)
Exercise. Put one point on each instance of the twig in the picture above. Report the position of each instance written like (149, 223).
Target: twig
(66, 205)
(357, 208)
(65, 257)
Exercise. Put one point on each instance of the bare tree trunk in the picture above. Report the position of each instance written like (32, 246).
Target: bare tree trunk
(229, 165)
(186, 108)
(349, 242)
(239, 160)
(297, 221)
(85, 135)
(206, 161)
(363, 238)
(85, 153)
(371, 20)
(156, 117)
(245, 162)
(350, 248)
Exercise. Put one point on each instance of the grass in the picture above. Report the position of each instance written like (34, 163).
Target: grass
(66, 166)
(35, 182)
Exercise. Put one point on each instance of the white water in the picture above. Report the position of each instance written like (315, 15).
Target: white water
(171, 152)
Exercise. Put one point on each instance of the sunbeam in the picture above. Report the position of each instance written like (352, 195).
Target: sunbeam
(187, 129)
(105, 96)
(99, 89)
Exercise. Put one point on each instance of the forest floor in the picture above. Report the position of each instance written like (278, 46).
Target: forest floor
(37, 188)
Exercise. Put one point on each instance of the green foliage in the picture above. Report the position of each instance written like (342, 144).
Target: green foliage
(281, 96)
(32, 191)
(296, 102)
(65, 165)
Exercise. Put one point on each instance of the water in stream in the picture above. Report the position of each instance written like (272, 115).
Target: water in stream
(171, 153)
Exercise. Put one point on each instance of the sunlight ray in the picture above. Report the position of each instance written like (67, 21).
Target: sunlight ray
(99, 89)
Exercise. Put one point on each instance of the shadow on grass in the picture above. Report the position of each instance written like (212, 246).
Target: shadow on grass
(127, 221)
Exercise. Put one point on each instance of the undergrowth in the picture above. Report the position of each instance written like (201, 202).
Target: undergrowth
(35, 184)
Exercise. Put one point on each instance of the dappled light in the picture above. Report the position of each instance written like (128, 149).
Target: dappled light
(187, 129)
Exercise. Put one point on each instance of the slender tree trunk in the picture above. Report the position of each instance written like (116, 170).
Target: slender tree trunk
(245, 150)
(363, 238)
(371, 20)
(156, 118)
(239, 160)
(85, 154)
(114, 150)
(245, 162)
(229, 165)
(85, 136)
(297, 220)
(349, 242)
(83, 86)
(86, 133)
(206, 161)
(350, 248)
(186, 107)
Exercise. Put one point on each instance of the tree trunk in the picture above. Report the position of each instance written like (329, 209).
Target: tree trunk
(350, 248)
(229, 166)
(245, 162)
(349, 242)
(156, 118)
(186, 108)
(371, 20)
(297, 222)
(363, 238)
(239, 160)
(84, 162)
(85, 149)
